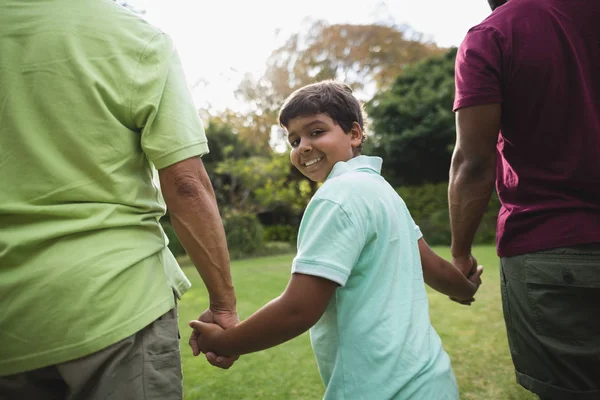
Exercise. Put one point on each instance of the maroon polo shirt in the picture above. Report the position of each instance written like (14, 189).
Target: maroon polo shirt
(541, 60)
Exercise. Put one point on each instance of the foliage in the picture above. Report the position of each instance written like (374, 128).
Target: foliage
(356, 54)
(413, 123)
(474, 337)
(281, 233)
(247, 179)
(174, 244)
(428, 205)
(251, 129)
(224, 142)
(224, 145)
(363, 56)
(261, 183)
(243, 240)
(275, 248)
(244, 234)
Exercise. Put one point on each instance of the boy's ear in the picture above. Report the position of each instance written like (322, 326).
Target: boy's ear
(356, 135)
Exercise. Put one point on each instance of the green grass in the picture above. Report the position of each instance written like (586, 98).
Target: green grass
(474, 337)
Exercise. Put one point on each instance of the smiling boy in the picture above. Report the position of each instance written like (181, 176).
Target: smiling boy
(357, 279)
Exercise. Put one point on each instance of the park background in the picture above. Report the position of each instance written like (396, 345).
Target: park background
(242, 59)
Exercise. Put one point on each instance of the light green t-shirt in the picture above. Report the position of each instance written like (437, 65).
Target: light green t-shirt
(90, 97)
(375, 340)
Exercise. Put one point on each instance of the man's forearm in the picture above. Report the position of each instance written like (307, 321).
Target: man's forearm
(469, 191)
(195, 217)
(206, 248)
(472, 173)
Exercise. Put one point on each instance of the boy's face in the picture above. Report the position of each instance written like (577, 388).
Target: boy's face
(318, 143)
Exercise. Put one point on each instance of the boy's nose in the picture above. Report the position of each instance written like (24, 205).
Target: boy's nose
(305, 147)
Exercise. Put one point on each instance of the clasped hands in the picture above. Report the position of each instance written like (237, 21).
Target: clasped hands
(203, 330)
(469, 267)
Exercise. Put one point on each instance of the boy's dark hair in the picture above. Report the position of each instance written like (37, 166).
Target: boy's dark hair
(326, 97)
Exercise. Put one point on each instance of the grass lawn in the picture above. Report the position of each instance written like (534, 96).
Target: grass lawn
(474, 337)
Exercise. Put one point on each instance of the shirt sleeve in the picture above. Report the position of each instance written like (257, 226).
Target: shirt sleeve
(329, 242)
(478, 69)
(417, 231)
(162, 107)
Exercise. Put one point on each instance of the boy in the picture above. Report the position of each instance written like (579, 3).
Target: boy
(356, 280)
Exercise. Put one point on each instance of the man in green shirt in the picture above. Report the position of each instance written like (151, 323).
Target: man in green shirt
(92, 97)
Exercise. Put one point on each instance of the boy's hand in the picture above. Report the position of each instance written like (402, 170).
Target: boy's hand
(475, 279)
(207, 335)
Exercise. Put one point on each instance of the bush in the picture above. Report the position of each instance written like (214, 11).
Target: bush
(281, 233)
(276, 249)
(174, 244)
(245, 234)
(428, 205)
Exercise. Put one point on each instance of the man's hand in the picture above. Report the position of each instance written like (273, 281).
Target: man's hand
(225, 319)
(465, 264)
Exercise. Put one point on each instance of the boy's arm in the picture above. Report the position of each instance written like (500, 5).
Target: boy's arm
(444, 277)
(299, 307)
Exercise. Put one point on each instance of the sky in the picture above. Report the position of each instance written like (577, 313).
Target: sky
(220, 40)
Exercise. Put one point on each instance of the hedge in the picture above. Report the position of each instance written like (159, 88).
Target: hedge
(428, 205)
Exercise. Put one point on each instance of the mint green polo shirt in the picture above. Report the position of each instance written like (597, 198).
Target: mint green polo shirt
(91, 98)
(375, 340)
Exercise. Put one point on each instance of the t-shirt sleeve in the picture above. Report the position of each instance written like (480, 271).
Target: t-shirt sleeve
(329, 242)
(162, 107)
(417, 231)
(478, 69)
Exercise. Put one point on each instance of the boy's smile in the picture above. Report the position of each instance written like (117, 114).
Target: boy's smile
(318, 143)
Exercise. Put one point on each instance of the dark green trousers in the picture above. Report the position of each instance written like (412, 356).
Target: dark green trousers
(551, 304)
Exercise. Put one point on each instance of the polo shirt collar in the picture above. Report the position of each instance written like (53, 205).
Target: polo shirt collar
(368, 163)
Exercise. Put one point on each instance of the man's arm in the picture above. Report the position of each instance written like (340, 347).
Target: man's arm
(299, 307)
(445, 278)
(190, 198)
(472, 177)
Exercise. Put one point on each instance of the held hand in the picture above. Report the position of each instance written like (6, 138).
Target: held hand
(466, 264)
(225, 319)
(206, 333)
(475, 280)
(475, 277)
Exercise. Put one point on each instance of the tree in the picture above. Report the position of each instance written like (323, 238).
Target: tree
(224, 144)
(413, 123)
(364, 56)
(356, 54)
(260, 184)
(249, 181)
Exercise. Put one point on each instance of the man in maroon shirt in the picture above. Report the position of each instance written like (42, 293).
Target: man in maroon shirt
(528, 118)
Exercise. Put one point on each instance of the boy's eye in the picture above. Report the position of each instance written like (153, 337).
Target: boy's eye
(316, 132)
(295, 142)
